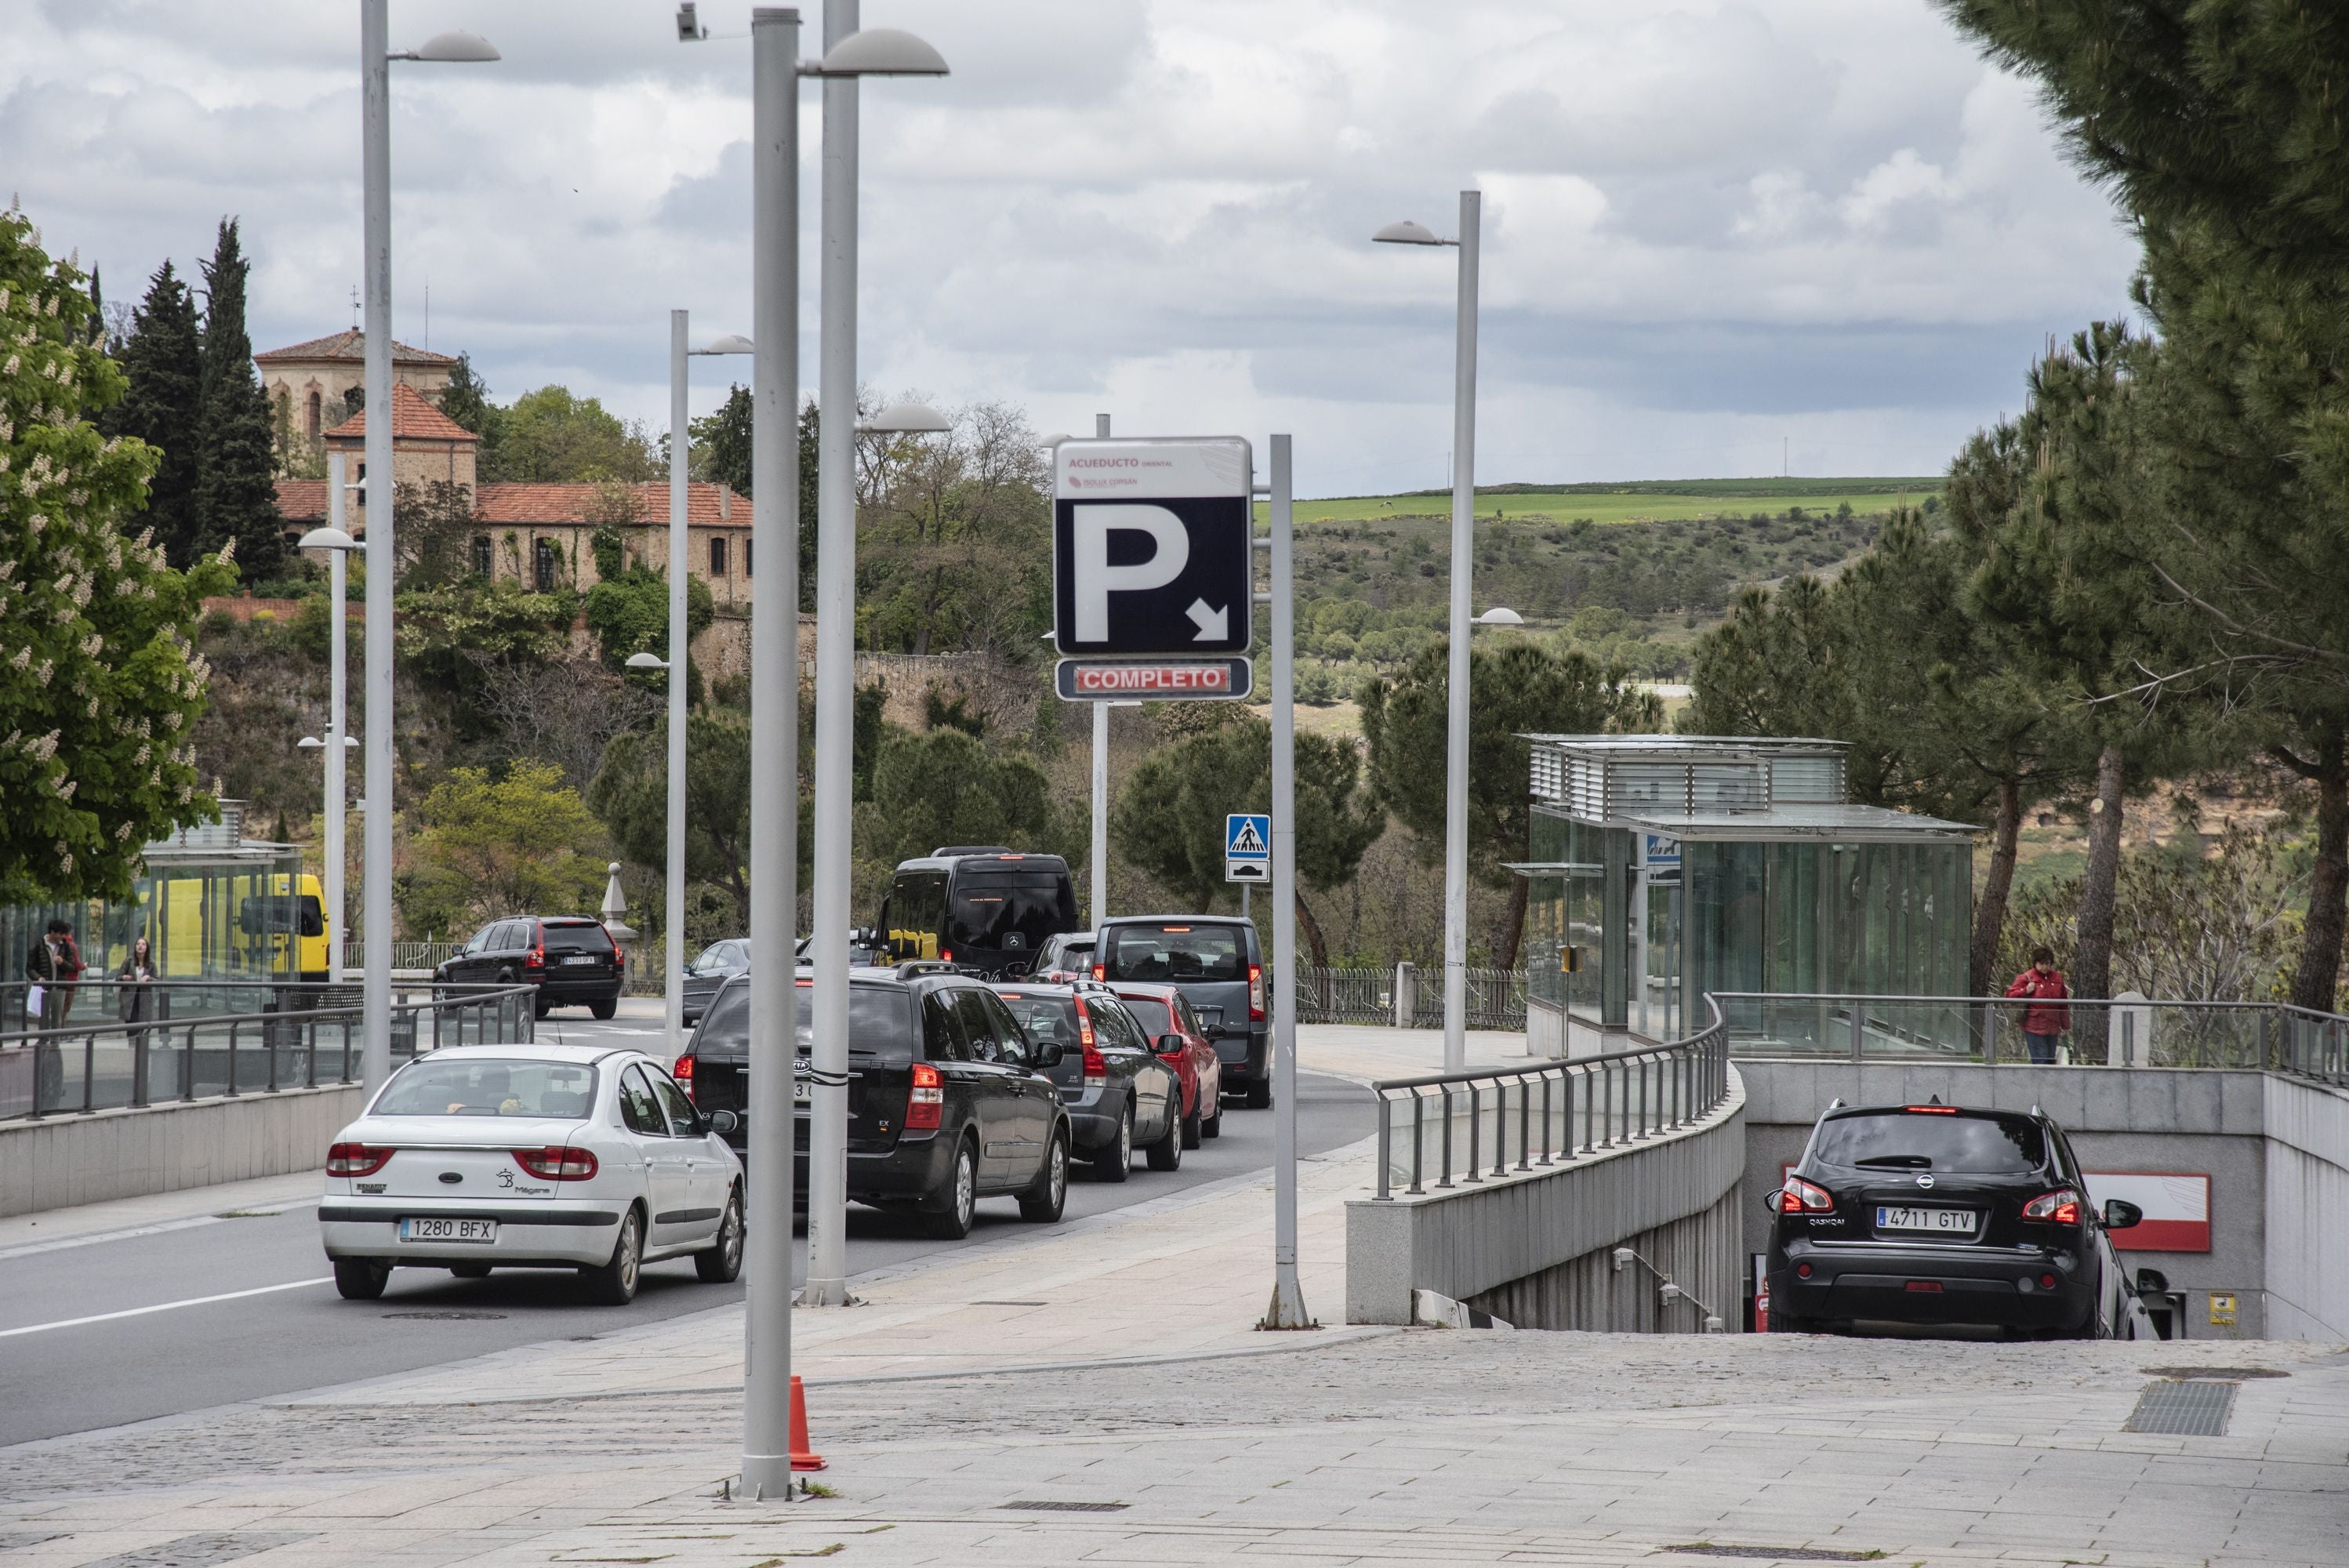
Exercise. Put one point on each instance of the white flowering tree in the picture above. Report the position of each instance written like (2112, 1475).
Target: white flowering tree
(99, 679)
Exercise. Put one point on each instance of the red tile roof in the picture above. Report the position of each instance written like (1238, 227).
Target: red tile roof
(302, 501)
(412, 418)
(548, 505)
(351, 344)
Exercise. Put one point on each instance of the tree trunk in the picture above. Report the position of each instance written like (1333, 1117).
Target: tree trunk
(1990, 916)
(2092, 957)
(1513, 928)
(2315, 984)
(1312, 929)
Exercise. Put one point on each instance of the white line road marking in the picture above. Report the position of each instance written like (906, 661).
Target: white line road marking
(164, 1307)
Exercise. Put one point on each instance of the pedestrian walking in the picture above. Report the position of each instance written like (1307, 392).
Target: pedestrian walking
(140, 1004)
(2046, 1020)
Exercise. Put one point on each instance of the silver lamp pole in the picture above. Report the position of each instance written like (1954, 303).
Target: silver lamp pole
(337, 636)
(1287, 1309)
(1099, 910)
(1463, 518)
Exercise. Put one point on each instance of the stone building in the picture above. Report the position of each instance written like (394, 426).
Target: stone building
(307, 383)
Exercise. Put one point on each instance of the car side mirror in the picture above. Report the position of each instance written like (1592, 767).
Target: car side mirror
(1170, 1045)
(2120, 1214)
(2152, 1282)
(1048, 1055)
(724, 1121)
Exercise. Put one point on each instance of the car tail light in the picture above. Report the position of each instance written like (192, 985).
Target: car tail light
(1931, 1109)
(1096, 1064)
(1255, 993)
(536, 957)
(1100, 971)
(946, 955)
(2061, 1207)
(356, 1160)
(556, 1163)
(1802, 1271)
(619, 953)
(1798, 1196)
(2047, 1282)
(926, 1105)
(683, 1072)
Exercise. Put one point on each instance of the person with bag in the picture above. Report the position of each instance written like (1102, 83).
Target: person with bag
(2045, 1021)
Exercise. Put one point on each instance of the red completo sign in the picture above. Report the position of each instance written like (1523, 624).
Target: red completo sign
(1096, 680)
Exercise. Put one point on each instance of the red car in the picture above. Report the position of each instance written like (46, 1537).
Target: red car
(1161, 1010)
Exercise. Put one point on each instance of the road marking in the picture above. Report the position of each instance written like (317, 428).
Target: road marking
(164, 1307)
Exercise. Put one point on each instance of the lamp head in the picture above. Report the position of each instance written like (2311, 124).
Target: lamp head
(311, 743)
(647, 662)
(328, 539)
(1500, 615)
(907, 420)
(725, 343)
(1407, 233)
(1055, 439)
(882, 52)
(455, 49)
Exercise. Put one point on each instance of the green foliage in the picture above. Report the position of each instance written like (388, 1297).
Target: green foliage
(434, 525)
(630, 795)
(99, 680)
(163, 365)
(466, 400)
(445, 633)
(628, 613)
(551, 435)
(955, 552)
(236, 462)
(524, 844)
(946, 787)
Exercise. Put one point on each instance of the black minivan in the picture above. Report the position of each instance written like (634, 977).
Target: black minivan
(573, 961)
(984, 908)
(1214, 961)
(947, 1100)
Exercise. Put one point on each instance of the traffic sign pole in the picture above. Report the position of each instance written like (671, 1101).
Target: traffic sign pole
(1098, 911)
(1287, 1309)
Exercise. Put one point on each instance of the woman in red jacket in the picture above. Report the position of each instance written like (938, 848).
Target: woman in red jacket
(2045, 1020)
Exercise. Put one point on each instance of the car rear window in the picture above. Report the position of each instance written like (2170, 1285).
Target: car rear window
(1175, 952)
(478, 1086)
(576, 936)
(877, 1022)
(992, 909)
(1043, 1018)
(1933, 1141)
(1151, 1013)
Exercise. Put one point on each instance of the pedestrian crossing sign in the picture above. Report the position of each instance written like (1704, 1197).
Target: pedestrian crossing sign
(1248, 847)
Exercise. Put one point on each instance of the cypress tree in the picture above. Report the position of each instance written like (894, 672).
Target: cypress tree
(236, 490)
(162, 361)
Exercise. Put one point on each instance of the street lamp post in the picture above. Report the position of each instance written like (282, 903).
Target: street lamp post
(375, 73)
(1457, 697)
(774, 697)
(336, 540)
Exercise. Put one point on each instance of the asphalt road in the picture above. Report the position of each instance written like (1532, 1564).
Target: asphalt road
(215, 1310)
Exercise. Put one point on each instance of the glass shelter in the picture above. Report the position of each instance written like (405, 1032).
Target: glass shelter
(1666, 867)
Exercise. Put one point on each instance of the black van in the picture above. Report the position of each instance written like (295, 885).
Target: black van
(983, 908)
(1215, 961)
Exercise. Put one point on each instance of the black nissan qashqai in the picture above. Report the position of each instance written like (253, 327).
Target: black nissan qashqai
(1936, 1213)
(947, 1098)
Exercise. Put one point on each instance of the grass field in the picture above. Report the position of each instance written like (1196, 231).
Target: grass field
(1653, 501)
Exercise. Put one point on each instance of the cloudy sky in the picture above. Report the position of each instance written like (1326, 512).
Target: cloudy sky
(1719, 236)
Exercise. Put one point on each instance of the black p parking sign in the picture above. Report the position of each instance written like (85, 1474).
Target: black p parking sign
(1152, 546)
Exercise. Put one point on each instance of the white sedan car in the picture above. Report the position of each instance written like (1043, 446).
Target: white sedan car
(481, 1157)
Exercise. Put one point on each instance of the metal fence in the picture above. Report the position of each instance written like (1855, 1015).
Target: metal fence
(404, 955)
(1558, 1111)
(1356, 995)
(1994, 1030)
(104, 1063)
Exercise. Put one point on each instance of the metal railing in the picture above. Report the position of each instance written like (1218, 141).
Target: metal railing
(1354, 993)
(1559, 1109)
(161, 1056)
(1995, 1031)
(404, 955)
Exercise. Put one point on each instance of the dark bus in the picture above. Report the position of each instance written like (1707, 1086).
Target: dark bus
(983, 907)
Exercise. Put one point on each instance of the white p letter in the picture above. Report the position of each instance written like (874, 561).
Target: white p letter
(1097, 579)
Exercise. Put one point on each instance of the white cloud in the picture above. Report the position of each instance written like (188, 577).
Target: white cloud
(1710, 225)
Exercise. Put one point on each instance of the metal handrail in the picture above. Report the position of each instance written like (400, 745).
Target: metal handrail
(1627, 1096)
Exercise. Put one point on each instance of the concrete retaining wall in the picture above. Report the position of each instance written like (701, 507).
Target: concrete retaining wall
(68, 1159)
(1541, 1240)
(2307, 1197)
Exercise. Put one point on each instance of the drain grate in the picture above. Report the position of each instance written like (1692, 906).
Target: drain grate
(1777, 1554)
(1066, 1507)
(449, 1316)
(2185, 1410)
(203, 1550)
(2213, 1374)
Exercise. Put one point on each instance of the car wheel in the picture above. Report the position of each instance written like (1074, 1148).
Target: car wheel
(1114, 1159)
(1043, 1202)
(1193, 1131)
(614, 1283)
(361, 1279)
(722, 1264)
(605, 1009)
(469, 1271)
(1259, 1095)
(1167, 1154)
(1211, 1113)
(951, 1222)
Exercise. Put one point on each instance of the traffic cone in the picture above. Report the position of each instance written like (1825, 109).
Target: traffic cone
(803, 1458)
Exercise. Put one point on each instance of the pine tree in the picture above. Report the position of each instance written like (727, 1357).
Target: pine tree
(163, 362)
(236, 466)
(466, 400)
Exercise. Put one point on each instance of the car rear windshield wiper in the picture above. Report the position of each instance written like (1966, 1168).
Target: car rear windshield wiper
(1903, 1161)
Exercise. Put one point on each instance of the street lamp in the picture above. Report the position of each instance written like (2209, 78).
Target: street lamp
(677, 664)
(1464, 503)
(774, 651)
(1500, 615)
(375, 161)
(336, 540)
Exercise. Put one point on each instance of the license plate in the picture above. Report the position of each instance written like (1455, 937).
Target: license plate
(581, 959)
(1940, 1221)
(426, 1229)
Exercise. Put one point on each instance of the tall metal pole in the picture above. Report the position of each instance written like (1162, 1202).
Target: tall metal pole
(383, 561)
(1287, 1309)
(337, 636)
(774, 742)
(835, 683)
(680, 567)
(1455, 746)
(1099, 910)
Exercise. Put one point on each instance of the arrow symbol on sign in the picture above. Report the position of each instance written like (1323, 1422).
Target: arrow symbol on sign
(1214, 625)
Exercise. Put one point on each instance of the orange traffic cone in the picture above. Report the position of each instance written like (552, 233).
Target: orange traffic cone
(803, 1458)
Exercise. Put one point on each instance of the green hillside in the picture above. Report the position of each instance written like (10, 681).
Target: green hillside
(1649, 501)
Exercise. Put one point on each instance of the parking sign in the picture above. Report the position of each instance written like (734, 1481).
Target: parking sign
(1152, 547)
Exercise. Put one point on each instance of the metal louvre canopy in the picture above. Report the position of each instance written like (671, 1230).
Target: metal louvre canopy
(1554, 868)
(1795, 824)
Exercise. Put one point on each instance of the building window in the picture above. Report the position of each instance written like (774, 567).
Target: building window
(545, 568)
(310, 418)
(717, 555)
(480, 555)
(746, 545)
